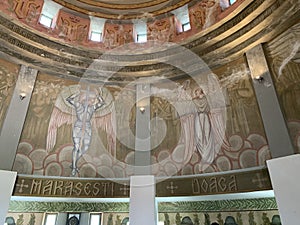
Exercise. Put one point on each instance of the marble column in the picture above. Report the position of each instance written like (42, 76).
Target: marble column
(6, 189)
(142, 206)
(275, 126)
(142, 153)
(15, 117)
(284, 176)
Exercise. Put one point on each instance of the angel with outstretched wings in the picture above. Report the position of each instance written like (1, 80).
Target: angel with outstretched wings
(86, 105)
(209, 128)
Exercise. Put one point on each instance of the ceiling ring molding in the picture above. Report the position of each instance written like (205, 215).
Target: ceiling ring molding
(123, 6)
(215, 48)
(117, 16)
(196, 185)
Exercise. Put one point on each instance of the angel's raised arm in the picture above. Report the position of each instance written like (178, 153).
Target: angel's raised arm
(71, 98)
(100, 102)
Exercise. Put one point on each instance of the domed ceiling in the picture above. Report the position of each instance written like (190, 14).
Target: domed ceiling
(123, 9)
(218, 35)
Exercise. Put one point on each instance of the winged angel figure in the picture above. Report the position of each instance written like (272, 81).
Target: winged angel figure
(203, 127)
(84, 109)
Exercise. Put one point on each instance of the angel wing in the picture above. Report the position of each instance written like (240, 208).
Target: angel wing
(105, 119)
(61, 114)
(218, 129)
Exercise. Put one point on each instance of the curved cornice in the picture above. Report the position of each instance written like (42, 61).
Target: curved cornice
(237, 181)
(123, 11)
(252, 23)
(192, 206)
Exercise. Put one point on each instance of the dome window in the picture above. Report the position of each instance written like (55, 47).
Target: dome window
(140, 31)
(96, 28)
(231, 2)
(182, 19)
(49, 12)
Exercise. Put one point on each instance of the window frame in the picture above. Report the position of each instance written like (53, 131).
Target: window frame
(141, 35)
(47, 17)
(184, 25)
(96, 213)
(231, 2)
(46, 218)
(96, 32)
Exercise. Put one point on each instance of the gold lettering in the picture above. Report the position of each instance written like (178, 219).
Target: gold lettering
(77, 188)
(222, 184)
(204, 185)
(232, 185)
(213, 184)
(47, 189)
(86, 188)
(57, 188)
(96, 189)
(36, 187)
(196, 186)
(105, 185)
(69, 188)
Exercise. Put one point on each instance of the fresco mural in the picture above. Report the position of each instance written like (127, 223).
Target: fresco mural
(283, 55)
(253, 217)
(84, 102)
(222, 218)
(259, 211)
(73, 131)
(8, 76)
(24, 218)
(72, 27)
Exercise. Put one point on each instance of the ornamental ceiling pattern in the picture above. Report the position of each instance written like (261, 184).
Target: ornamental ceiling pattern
(218, 37)
(123, 9)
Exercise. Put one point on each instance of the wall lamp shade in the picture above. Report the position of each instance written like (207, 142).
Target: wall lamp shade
(22, 95)
(259, 79)
(142, 109)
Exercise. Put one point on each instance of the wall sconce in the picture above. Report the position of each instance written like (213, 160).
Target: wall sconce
(22, 95)
(142, 109)
(259, 79)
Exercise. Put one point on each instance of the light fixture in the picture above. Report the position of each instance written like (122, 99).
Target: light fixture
(260, 79)
(22, 95)
(142, 109)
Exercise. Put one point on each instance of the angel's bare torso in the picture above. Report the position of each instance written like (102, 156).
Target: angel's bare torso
(84, 106)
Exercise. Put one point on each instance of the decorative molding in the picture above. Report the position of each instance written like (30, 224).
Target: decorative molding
(101, 12)
(42, 52)
(186, 206)
(196, 185)
(33, 206)
(220, 205)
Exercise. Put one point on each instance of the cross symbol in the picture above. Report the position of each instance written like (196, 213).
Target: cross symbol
(22, 185)
(259, 180)
(125, 189)
(172, 187)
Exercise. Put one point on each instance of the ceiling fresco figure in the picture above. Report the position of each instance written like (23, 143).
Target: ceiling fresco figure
(202, 127)
(202, 123)
(84, 105)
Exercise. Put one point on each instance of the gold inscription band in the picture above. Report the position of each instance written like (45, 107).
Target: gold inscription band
(232, 182)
